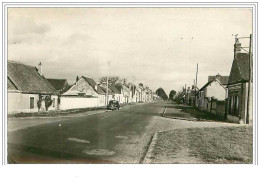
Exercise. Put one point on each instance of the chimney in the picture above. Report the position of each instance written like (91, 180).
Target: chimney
(40, 68)
(218, 76)
(237, 47)
(96, 87)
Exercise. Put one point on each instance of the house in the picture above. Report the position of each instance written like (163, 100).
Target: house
(240, 87)
(111, 95)
(28, 90)
(143, 92)
(83, 93)
(137, 94)
(61, 85)
(124, 92)
(116, 94)
(213, 94)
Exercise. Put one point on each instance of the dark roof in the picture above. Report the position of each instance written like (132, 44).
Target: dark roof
(10, 85)
(223, 79)
(58, 84)
(92, 83)
(114, 89)
(240, 69)
(27, 79)
(118, 87)
(104, 88)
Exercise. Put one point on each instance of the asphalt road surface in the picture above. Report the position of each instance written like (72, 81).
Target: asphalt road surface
(109, 137)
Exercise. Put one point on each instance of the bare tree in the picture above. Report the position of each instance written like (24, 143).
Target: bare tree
(111, 80)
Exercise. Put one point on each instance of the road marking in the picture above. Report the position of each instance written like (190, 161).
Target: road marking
(78, 140)
(99, 152)
(121, 137)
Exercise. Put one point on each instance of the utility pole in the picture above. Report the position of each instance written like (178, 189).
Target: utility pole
(250, 79)
(196, 85)
(107, 83)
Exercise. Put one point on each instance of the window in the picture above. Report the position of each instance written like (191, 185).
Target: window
(53, 102)
(31, 102)
(234, 104)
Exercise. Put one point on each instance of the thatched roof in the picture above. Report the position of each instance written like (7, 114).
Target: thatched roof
(27, 79)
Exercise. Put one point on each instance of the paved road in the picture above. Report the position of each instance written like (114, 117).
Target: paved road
(110, 137)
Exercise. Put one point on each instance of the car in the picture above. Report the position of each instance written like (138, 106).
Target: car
(113, 105)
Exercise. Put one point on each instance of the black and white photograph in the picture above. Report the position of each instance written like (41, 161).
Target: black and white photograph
(130, 85)
(144, 84)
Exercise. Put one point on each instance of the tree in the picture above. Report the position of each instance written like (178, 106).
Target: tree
(48, 102)
(111, 80)
(160, 92)
(172, 94)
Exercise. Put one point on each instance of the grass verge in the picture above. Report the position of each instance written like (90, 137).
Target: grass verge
(222, 145)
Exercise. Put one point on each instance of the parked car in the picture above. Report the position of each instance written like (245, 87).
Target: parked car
(113, 105)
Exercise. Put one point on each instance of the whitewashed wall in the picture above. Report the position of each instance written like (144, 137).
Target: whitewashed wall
(216, 90)
(79, 102)
(20, 102)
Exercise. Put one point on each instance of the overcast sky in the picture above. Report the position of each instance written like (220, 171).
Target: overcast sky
(160, 47)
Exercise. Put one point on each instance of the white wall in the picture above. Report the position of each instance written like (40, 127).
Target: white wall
(20, 102)
(216, 90)
(79, 102)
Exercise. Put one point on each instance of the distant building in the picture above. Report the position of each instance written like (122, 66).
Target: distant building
(213, 94)
(28, 89)
(61, 85)
(238, 108)
(87, 87)
(124, 91)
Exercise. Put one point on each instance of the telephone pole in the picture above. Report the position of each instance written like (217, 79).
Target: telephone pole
(196, 85)
(250, 80)
(107, 83)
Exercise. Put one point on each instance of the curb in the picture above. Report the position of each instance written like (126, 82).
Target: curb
(179, 118)
(148, 159)
(186, 119)
(58, 116)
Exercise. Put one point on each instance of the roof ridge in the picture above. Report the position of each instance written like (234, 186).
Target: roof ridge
(15, 62)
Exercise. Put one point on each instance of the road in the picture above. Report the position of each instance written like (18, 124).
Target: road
(109, 137)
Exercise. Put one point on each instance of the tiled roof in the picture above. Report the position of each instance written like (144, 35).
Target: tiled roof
(114, 89)
(104, 88)
(118, 87)
(92, 83)
(58, 84)
(240, 69)
(27, 79)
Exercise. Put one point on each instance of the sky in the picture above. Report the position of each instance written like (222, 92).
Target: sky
(159, 47)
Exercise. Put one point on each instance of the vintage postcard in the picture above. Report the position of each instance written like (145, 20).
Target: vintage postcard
(131, 85)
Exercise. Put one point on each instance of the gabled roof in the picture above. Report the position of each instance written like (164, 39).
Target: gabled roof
(240, 69)
(27, 79)
(58, 84)
(223, 79)
(92, 83)
(10, 85)
(114, 89)
(207, 84)
(104, 88)
(118, 87)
